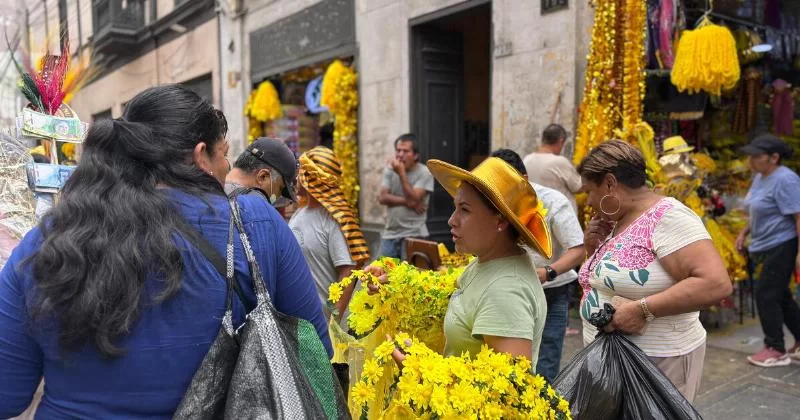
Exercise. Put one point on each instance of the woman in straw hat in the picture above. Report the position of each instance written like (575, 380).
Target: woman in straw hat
(325, 225)
(498, 301)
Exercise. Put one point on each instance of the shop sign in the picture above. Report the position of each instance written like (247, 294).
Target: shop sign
(549, 6)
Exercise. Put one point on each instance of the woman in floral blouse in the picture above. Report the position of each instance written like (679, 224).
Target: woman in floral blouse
(652, 258)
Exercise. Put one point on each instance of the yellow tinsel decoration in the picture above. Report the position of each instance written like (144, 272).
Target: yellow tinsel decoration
(266, 105)
(706, 60)
(340, 95)
(614, 84)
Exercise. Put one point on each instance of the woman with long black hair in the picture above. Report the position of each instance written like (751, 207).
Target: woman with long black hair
(107, 299)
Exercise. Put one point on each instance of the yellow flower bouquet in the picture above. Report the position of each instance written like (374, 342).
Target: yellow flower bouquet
(490, 386)
(412, 300)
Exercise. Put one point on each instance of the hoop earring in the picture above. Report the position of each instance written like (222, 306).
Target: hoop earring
(609, 213)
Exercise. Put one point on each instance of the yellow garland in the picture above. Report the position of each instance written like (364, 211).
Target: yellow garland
(614, 81)
(266, 105)
(706, 60)
(340, 96)
(490, 386)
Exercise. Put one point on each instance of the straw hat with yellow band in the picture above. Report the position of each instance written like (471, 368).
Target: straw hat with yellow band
(321, 175)
(508, 191)
(674, 145)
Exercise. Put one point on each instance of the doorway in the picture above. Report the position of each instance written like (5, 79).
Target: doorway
(451, 94)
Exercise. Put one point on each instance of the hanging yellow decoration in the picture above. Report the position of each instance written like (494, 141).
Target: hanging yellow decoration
(340, 95)
(614, 83)
(266, 105)
(255, 128)
(706, 60)
(328, 93)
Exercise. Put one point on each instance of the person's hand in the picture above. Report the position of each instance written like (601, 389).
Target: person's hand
(597, 230)
(542, 273)
(418, 207)
(380, 274)
(740, 243)
(398, 166)
(398, 355)
(628, 319)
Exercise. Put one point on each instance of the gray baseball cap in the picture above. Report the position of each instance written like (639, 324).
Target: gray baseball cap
(277, 154)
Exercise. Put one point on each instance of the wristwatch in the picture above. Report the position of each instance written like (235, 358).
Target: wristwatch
(551, 274)
(648, 316)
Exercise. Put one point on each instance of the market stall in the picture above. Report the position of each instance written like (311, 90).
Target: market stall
(713, 73)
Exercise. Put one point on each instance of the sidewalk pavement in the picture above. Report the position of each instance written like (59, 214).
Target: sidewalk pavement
(731, 388)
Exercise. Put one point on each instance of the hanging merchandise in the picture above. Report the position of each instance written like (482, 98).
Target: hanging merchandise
(255, 128)
(782, 108)
(266, 105)
(614, 86)
(706, 59)
(339, 93)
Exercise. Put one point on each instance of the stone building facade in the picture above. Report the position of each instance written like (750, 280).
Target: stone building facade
(136, 44)
(506, 68)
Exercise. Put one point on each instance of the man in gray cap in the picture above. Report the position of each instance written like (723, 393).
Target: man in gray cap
(268, 165)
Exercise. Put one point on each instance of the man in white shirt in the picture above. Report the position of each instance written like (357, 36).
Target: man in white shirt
(547, 167)
(555, 273)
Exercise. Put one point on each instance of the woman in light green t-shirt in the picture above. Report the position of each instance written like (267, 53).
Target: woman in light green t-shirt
(498, 301)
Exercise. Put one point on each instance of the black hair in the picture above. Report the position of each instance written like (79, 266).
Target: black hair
(249, 163)
(326, 135)
(553, 133)
(618, 158)
(40, 158)
(113, 227)
(405, 138)
(512, 158)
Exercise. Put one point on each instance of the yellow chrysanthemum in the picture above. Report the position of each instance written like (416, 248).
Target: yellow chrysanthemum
(362, 393)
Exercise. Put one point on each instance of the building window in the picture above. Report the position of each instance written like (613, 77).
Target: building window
(201, 86)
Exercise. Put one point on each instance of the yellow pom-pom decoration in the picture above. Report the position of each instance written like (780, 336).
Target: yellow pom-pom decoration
(706, 60)
(265, 105)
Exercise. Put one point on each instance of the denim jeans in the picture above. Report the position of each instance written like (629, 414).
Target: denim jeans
(553, 335)
(392, 248)
(774, 268)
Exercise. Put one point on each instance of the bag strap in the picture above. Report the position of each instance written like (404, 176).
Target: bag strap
(214, 257)
(262, 295)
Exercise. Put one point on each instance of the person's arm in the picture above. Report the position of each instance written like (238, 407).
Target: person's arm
(566, 231)
(412, 194)
(339, 255)
(689, 257)
(505, 316)
(347, 294)
(20, 356)
(568, 260)
(514, 346)
(388, 199)
(571, 177)
(291, 285)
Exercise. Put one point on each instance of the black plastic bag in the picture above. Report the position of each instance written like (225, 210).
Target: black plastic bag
(613, 379)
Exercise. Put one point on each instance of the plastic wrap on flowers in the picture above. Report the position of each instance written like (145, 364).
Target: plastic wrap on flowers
(412, 301)
(17, 206)
(613, 379)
